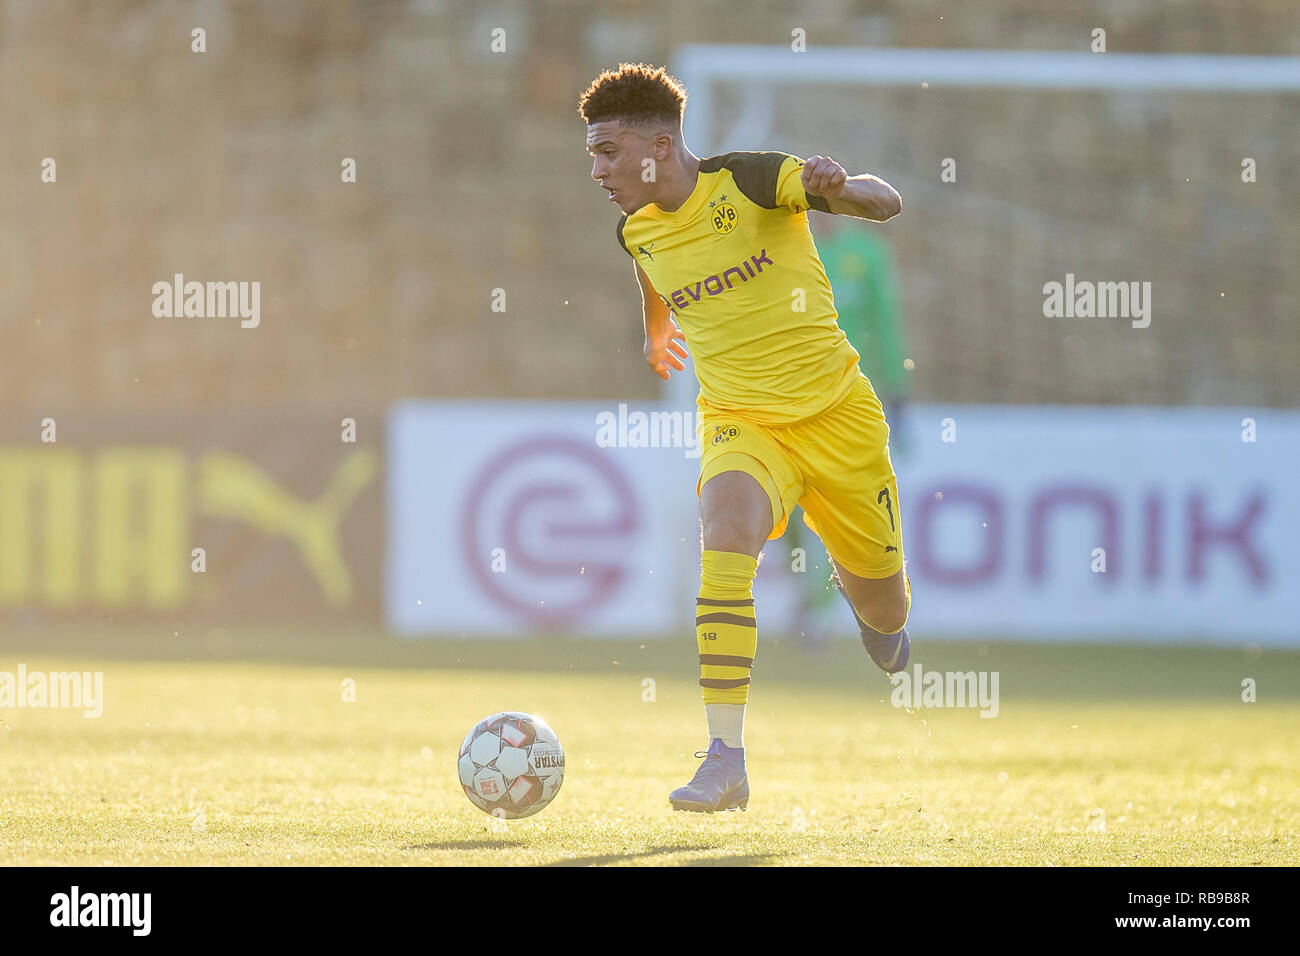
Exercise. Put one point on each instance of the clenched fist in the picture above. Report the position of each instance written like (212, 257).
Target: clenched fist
(824, 177)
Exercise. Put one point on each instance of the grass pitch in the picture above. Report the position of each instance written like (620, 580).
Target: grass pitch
(1099, 755)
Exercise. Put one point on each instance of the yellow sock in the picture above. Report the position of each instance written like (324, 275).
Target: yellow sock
(724, 626)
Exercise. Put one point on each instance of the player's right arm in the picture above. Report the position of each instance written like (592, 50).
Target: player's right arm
(662, 348)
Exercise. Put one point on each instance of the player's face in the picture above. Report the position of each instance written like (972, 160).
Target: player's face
(618, 153)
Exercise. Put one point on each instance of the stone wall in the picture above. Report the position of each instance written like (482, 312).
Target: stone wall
(472, 176)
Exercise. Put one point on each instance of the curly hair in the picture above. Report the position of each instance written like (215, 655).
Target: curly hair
(637, 94)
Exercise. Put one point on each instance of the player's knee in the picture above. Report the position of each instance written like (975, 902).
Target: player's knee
(735, 514)
(731, 531)
(887, 618)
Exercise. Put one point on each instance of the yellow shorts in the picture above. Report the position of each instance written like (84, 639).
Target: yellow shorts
(835, 464)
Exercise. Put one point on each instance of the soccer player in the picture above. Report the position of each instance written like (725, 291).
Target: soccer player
(785, 414)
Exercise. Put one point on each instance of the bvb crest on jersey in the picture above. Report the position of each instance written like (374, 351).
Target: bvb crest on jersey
(724, 433)
(723, 215)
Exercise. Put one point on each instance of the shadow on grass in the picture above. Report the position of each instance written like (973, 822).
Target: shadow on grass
(469, 845)
(608, 858)
(756, 859)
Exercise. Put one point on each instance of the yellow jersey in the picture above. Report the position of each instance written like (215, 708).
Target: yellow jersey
(737, 266)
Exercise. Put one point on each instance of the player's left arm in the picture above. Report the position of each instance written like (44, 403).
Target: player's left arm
(864, 196)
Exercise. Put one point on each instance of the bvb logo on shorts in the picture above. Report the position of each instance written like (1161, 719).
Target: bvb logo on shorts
(724, 217)
(723, 434)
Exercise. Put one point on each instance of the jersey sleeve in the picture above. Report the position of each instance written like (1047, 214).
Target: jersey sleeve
(772, 179)
(789, 188)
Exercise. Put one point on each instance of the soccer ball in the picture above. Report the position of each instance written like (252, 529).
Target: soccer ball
(511, 765)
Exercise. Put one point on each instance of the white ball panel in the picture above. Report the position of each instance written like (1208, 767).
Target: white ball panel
(485, 748)
(465, 767)
(512, 762)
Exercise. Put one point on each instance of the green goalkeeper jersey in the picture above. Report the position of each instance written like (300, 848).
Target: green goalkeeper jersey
(865, 283)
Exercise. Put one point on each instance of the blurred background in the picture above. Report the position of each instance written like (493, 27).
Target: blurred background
(464, 306)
